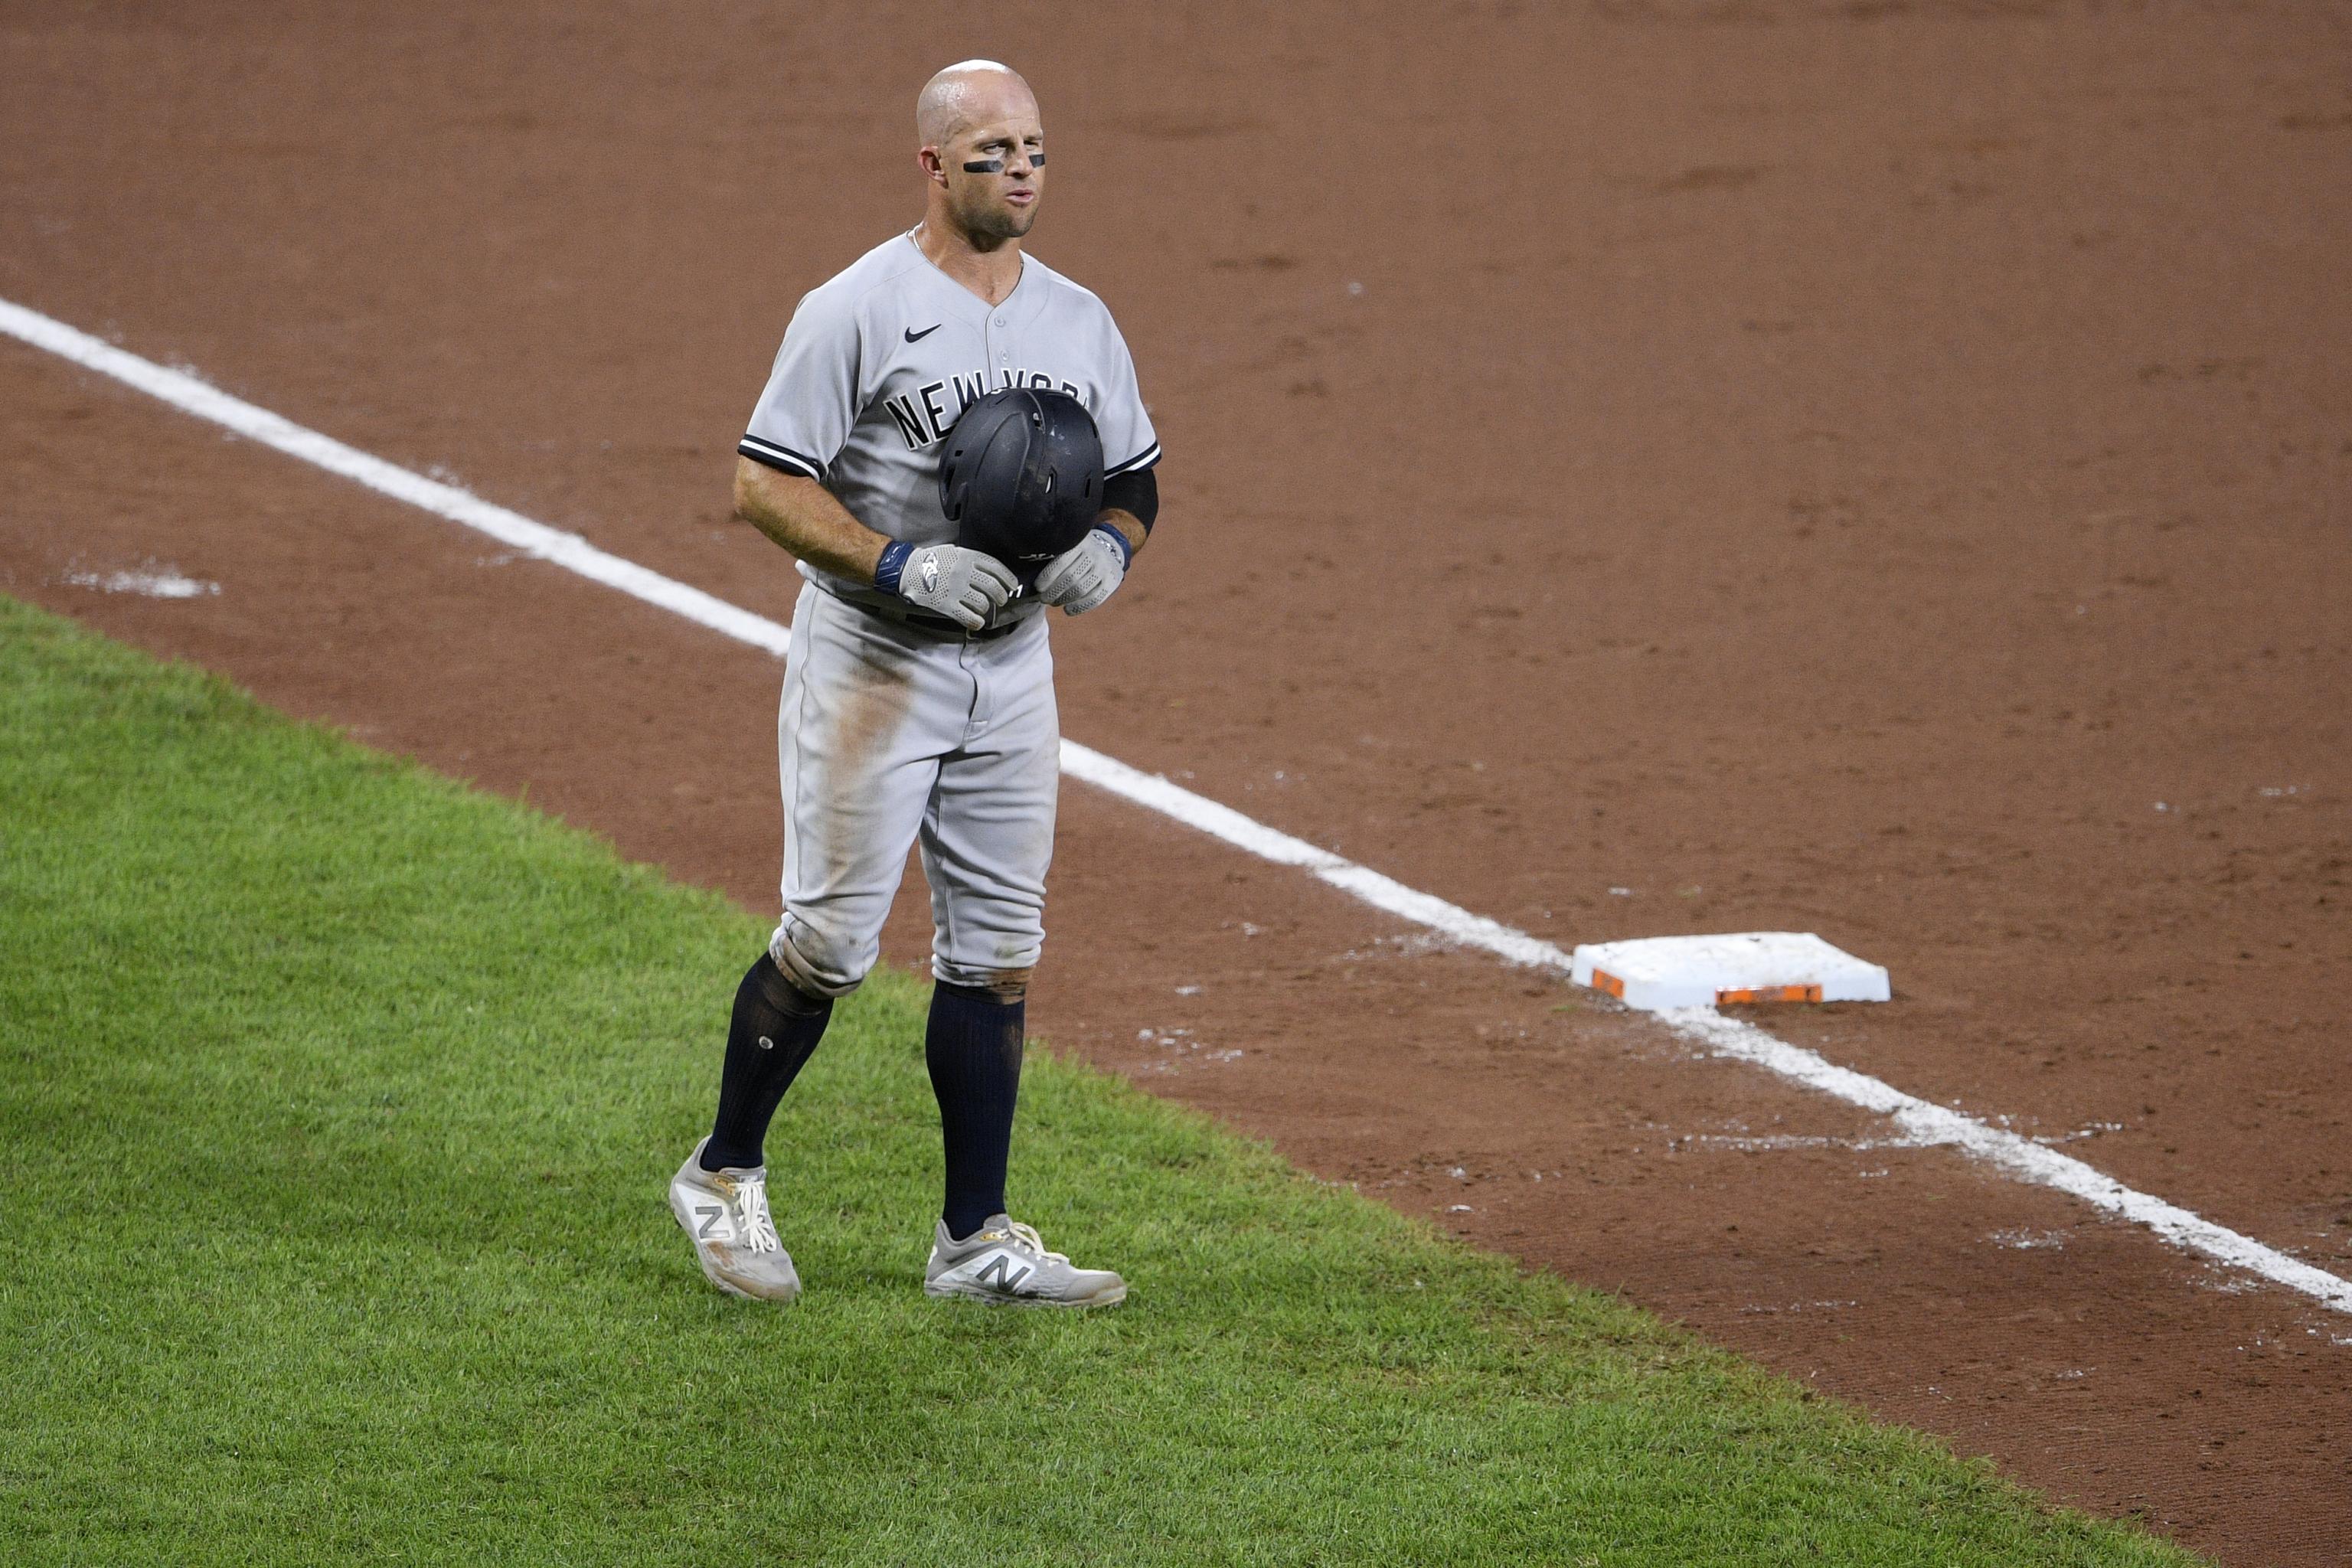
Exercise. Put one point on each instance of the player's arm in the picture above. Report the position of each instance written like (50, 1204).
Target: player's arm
(1130, 505)
(803, 516)
(1082, 577)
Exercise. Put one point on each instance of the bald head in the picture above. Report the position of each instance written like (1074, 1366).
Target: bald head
(973, 92)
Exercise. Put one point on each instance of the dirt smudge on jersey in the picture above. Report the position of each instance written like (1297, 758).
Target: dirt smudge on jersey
(876, 692)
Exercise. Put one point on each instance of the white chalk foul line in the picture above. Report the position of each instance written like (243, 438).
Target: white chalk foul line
(511, 529)
(1925, 1121)
(1928, 1122)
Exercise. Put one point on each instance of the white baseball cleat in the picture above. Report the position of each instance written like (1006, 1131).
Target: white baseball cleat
(726, 1213)
(1005, 1263)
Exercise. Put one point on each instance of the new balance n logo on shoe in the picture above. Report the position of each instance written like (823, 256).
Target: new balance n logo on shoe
(1008, 1265)
(998, 1266)
(735, 1240)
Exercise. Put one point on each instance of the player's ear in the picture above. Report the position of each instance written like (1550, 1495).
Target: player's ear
(928, 160)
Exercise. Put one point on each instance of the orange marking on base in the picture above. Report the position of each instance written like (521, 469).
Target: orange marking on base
(1770, 993)
(1604, 981)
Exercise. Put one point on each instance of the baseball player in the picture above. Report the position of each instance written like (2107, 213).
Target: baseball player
(918, 685)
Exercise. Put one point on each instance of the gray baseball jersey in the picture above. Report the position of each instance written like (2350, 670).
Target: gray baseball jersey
(880, 360)
(890, 736)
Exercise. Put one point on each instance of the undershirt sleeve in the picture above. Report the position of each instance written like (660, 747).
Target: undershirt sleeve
(1136, 492)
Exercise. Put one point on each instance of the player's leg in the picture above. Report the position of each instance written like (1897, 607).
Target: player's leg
(779, 1018)
(973, 1045)
(858, 734)
(859, 737)
(988, 838)
(772, 1032)
(854, 764)
(720, 1193)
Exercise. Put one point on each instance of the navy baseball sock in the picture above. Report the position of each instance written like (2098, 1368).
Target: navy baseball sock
(972, 1047)
(774, 1030)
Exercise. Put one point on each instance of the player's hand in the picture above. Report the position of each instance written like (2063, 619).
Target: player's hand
(963, 585)
(1081, 577)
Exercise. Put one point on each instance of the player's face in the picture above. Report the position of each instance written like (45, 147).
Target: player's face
(996, 175)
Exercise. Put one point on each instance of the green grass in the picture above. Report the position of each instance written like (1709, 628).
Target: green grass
(336, 1104)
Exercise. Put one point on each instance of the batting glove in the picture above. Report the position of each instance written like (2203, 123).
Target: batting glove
(1081, 577)
(948, 580)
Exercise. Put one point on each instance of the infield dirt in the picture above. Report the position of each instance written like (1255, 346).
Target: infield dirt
(1873, 468)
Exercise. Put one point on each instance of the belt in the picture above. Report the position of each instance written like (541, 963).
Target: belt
(900, 613)
(924, 621)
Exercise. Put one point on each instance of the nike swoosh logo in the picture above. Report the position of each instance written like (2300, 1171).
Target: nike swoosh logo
(915, 337)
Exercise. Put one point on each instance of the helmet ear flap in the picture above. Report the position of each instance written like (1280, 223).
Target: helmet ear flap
(957, 461)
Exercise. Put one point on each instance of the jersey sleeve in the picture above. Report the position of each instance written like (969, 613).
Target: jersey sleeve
(1130, 444)
(804, 414)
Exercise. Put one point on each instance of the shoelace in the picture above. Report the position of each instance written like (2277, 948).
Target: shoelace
(758, 1226)
(1028, 1238)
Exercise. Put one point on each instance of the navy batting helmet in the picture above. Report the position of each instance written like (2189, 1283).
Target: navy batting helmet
(1021, 477)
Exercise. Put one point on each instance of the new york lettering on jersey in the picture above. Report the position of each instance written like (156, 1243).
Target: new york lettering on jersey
(919, 414)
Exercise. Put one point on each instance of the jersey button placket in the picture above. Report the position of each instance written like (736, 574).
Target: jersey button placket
(1000, 343)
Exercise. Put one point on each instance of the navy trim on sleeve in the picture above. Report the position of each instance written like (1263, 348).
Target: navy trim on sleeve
(782, 458)
(1143, 460)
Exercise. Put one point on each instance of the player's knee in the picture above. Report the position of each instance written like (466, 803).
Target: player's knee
(781, 991)
(1006, 985)
(815, 963)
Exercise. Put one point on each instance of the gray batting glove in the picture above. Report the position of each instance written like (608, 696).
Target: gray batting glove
(963, 585)
(1081, 577)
